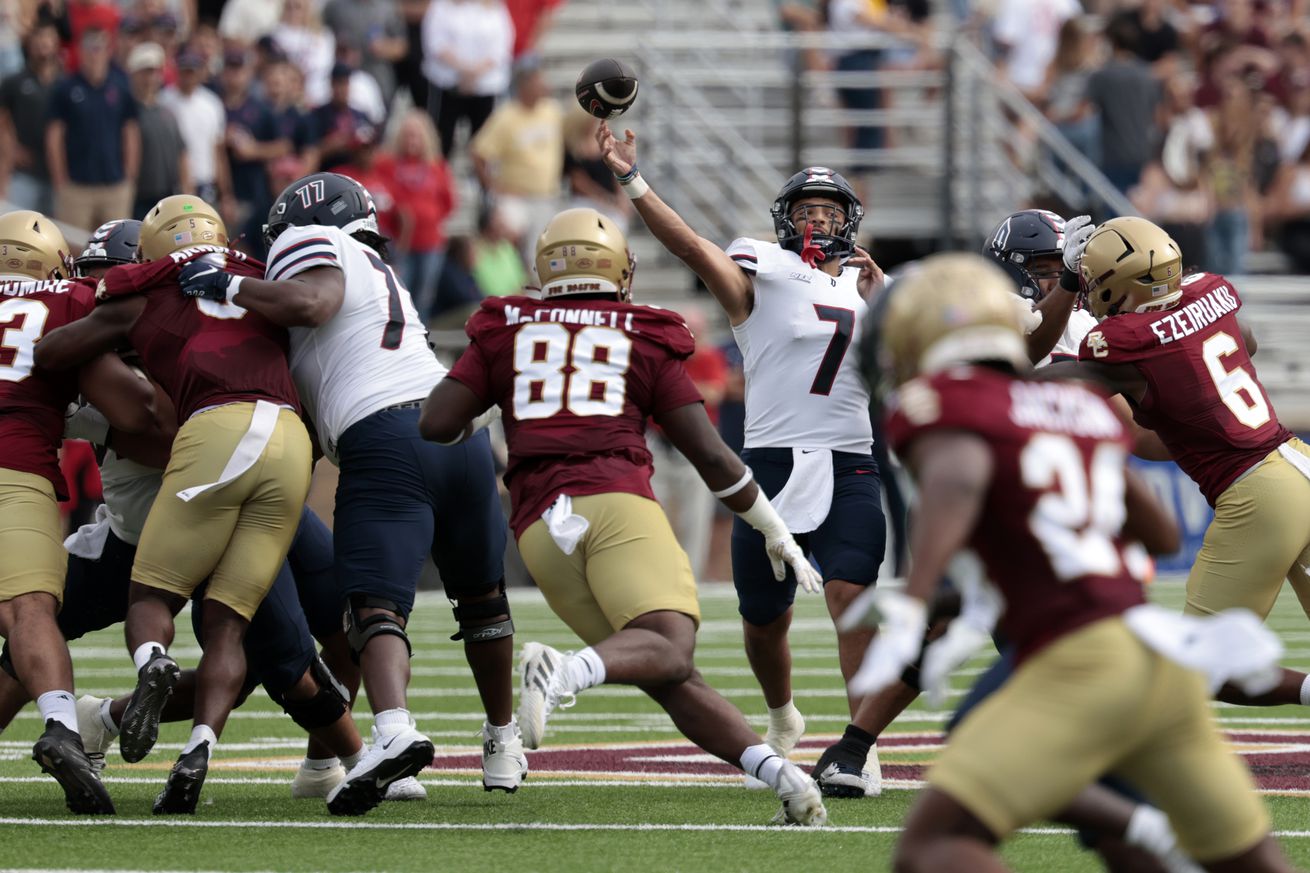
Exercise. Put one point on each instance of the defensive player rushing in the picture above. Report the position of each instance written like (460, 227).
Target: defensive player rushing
(575, 375)
(235, 484)
(33, 301)
(795, 307)
(1174, 347)
(1032, 477)
(360, 357)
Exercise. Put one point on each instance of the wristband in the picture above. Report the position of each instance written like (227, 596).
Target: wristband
(635, 188)
(1069, 281)
(735, 487)
(628, 176)
(764, 518)
(233, 286)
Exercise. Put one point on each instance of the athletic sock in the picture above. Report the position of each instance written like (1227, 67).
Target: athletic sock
(1305, 691)
(1149, 829)
(349, 761)
(107, 717)
(782, 718)
(503, 733)
(201, 733)
(60, 706)
(856, 743)
(145, 652)
(392, 721)
(584, 670)
(762, 762)
(318, 763)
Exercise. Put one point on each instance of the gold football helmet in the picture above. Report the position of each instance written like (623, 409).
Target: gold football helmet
(31, 245)
(957, 308)
(1131, 265)
(179, 222)
(583, 252)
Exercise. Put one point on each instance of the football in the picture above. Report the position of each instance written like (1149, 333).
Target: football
(607, 88)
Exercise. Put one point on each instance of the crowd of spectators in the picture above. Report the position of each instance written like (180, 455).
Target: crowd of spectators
(108, 105)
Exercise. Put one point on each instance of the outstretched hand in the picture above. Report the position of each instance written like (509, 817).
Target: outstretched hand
(620, 157)
(871, 279)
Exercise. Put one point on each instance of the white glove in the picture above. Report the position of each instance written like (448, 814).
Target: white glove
(1029, 318)
(981, 606)
(484, 420)
(780, 546)
(82, 421)
(1077, 231)
(902, 621)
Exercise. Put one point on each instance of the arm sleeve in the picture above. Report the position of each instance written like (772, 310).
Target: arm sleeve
(299, 249)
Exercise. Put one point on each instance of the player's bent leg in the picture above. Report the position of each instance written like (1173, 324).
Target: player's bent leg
(149, 632)
(942, 836)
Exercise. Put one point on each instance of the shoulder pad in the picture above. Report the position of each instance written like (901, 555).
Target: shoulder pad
(664, 327)
(127, 279)
(751, 255)
(490, 314)
(1117, 339)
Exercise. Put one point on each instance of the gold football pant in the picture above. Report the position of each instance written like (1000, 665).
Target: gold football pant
(32, 556)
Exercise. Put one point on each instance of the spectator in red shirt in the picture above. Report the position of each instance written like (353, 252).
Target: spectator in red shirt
(531, 18)
(425, 197)
(84, 15)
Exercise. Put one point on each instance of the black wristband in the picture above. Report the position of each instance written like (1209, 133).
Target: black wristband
(1069, 281)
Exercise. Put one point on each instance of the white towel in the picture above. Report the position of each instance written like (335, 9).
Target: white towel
(1230, 646)
(565, 527)
(1295, 458)
(88, 541)
(804, 502)
(251, 445)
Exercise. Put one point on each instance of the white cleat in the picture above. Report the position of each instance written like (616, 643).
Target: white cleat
(504, 766)
(406, 789)
(316, 783)
(541, 690)
(872, 774)
(96, 738)
(802, 804)
(782, 738)
(403, 754)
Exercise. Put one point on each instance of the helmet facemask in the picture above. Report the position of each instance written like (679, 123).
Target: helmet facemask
(838, 241)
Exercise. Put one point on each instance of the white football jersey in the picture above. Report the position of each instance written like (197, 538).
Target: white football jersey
(372, 354)
(803, 387)
(1066, 348)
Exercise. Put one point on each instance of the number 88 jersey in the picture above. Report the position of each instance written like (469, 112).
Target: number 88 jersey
(575, 381)
(373, 353)
(803, 387)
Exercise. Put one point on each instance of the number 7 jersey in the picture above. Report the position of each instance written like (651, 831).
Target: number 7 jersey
(1202, 395)
(803, 387)
(575, 381)
(373, 353)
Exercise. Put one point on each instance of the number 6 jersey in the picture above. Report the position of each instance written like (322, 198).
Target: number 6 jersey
(575, 381)
(373, 353)
(1202, 394)
(803, 388)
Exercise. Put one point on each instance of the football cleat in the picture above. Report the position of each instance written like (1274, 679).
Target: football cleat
(96, 738)
(541, 692)
(59, 752)
(406, 789)
(316, 783)
(802, 804)
(140, 727)
(182, 790)
(403, 754)
(838, 775)
(782, 736)
(504, 766)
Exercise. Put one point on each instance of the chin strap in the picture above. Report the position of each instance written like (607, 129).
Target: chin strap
(811, 254)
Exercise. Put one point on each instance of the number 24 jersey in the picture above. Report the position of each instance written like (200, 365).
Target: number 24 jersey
(575, 383)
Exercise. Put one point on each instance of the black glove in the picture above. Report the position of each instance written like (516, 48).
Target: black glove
(204, 280)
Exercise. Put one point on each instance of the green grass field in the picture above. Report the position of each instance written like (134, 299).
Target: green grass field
(616, 788)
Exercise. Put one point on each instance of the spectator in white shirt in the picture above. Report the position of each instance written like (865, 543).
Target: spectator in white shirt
(202, 121)
(467, 54)
(1027, 32)
(309, 46)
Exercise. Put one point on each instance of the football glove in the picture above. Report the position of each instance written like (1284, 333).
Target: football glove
(902, 621)
(1077, 231)
(204, 280)
(82, 421)
(780, 545)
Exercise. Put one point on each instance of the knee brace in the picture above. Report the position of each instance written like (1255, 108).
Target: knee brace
(325, 707)
(473, 619)
(360, 629)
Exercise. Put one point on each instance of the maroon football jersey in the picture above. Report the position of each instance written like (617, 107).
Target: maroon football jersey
(32, 400)
(1049, 531)
(1202, 394)
(203, 352)
(575, 383)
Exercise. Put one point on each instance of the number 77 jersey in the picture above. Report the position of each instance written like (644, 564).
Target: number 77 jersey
(1202, 394)
(575, 381)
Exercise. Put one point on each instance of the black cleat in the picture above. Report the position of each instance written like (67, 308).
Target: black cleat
(154, 683)
(838, 775)
(399, 757)
(60, 753)
(182, 790)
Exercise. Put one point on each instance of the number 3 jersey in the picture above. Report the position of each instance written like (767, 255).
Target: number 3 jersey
(1202, 395)
(575, 383)
(32, 400)
(373, 353)
(1049, 530)
(803, 387)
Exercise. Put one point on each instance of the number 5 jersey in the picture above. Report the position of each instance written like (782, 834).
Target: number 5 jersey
(575, 381)
(803, 387)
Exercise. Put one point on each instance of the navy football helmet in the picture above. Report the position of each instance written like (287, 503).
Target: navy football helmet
(1021, 237)
(817, 182)
(330, 200)
(112, 243)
